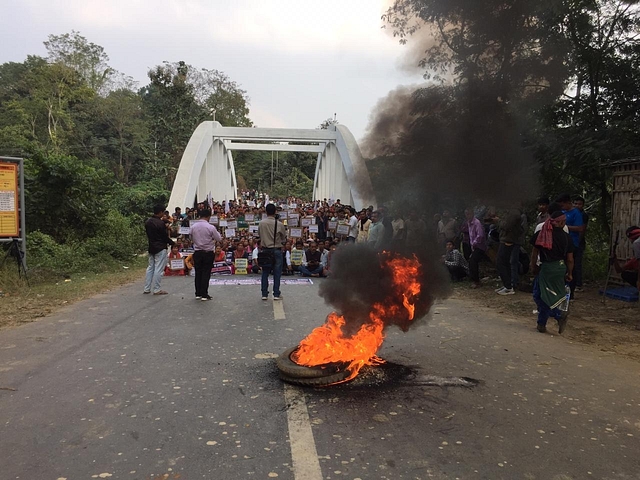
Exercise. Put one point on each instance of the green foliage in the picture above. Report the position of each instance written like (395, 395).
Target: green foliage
(138, 200)
(65, 197)
(76, 52)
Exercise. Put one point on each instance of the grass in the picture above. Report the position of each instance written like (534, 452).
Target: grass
(20, 303)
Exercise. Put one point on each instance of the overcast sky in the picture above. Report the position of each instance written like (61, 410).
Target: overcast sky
(300, 61)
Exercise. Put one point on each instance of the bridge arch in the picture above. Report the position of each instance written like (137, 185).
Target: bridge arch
(207, 168)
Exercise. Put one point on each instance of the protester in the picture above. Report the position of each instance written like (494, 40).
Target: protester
(311, 263)
(273, 235)
(554, 248)
(508, 262)
(174, 254)
(158, 238)
(455, 263)
(543, 210)
(353, 226)
(363, 227)
(578, 203)
(416, 231)
(574, 224)
(478, 243)
(376, 231)
(631, 269)
(447, 228)
(204, 236)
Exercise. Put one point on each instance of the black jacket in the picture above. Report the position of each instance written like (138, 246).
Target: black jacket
(157, 235)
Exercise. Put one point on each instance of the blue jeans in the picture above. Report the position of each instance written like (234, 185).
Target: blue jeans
(544, 311)
(276, 268)
(155, 270)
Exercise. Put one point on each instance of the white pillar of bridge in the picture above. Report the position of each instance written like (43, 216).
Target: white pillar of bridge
(207, 163)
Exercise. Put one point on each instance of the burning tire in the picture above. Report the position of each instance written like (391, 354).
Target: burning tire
(316, 382)
(292, 372)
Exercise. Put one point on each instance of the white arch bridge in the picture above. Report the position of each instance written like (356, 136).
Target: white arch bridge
(207, 162)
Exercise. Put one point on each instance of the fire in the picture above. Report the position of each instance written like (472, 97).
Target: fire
(329, 343)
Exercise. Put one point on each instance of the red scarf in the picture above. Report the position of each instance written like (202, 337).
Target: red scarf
(634, 234)
(545, 237)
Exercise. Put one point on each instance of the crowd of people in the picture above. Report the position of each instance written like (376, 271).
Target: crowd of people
(301, 237)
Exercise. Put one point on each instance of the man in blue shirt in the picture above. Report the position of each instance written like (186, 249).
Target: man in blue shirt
(575, 225)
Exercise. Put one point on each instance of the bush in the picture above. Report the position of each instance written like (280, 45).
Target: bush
(118, 237)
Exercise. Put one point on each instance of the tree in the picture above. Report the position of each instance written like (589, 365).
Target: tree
(88, 59)
(172, 113)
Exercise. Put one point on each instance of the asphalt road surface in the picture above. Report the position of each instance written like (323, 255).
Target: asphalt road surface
(132, 386)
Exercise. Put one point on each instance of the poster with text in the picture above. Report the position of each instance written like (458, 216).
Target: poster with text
(295, 232)
(9, 226)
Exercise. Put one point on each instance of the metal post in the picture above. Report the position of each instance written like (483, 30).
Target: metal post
(23, 224)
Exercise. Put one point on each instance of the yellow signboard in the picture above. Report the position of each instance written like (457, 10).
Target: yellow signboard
(8, 200)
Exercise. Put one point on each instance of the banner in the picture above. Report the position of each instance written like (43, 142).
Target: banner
(9, 225)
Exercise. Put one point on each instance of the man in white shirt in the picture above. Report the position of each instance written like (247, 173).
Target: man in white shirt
(353, 226)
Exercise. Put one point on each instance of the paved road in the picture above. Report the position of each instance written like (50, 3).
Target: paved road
(131, 386)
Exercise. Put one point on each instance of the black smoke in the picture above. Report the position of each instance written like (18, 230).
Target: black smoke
(360, 277)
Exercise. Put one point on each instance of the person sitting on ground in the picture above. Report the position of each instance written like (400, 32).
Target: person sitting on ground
(311, 266)
(297, 254)
(255, 268)
(455, 262)
(219, 255)
(631, 269)
(173, 255)
(287, 268)
(324, 254)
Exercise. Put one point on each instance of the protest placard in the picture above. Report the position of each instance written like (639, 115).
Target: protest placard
(306, 221)
(332, 224)
(230, 232)
(313, 228)
(295, 232)
(242, 265)
(214, 220)
(184, 231)
(248, 217)
(232, 224)
(176, 264)
(223, 223)
(342, 229)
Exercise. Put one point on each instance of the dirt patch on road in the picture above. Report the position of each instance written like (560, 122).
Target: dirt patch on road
(610, 327)
(28, 304)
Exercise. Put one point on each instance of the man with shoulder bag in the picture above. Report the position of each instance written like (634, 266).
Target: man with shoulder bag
(273, 235)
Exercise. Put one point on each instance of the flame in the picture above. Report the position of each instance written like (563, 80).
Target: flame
(329, 343)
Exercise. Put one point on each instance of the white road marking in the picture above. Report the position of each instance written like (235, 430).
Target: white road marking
(303, 447)
(278, 310)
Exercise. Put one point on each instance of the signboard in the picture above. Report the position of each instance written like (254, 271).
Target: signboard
(248, 217)
(296, 257)
(253, 228)
(242, 264)
(292, 222)
(332, 224)
(213, 220)
(9, 226)
(313, 228)
(176, 264)
(232, 224)
(230, 232)
(306, 221)
(184, 231)
(343, 229)
(295, 232)
(222, 223)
